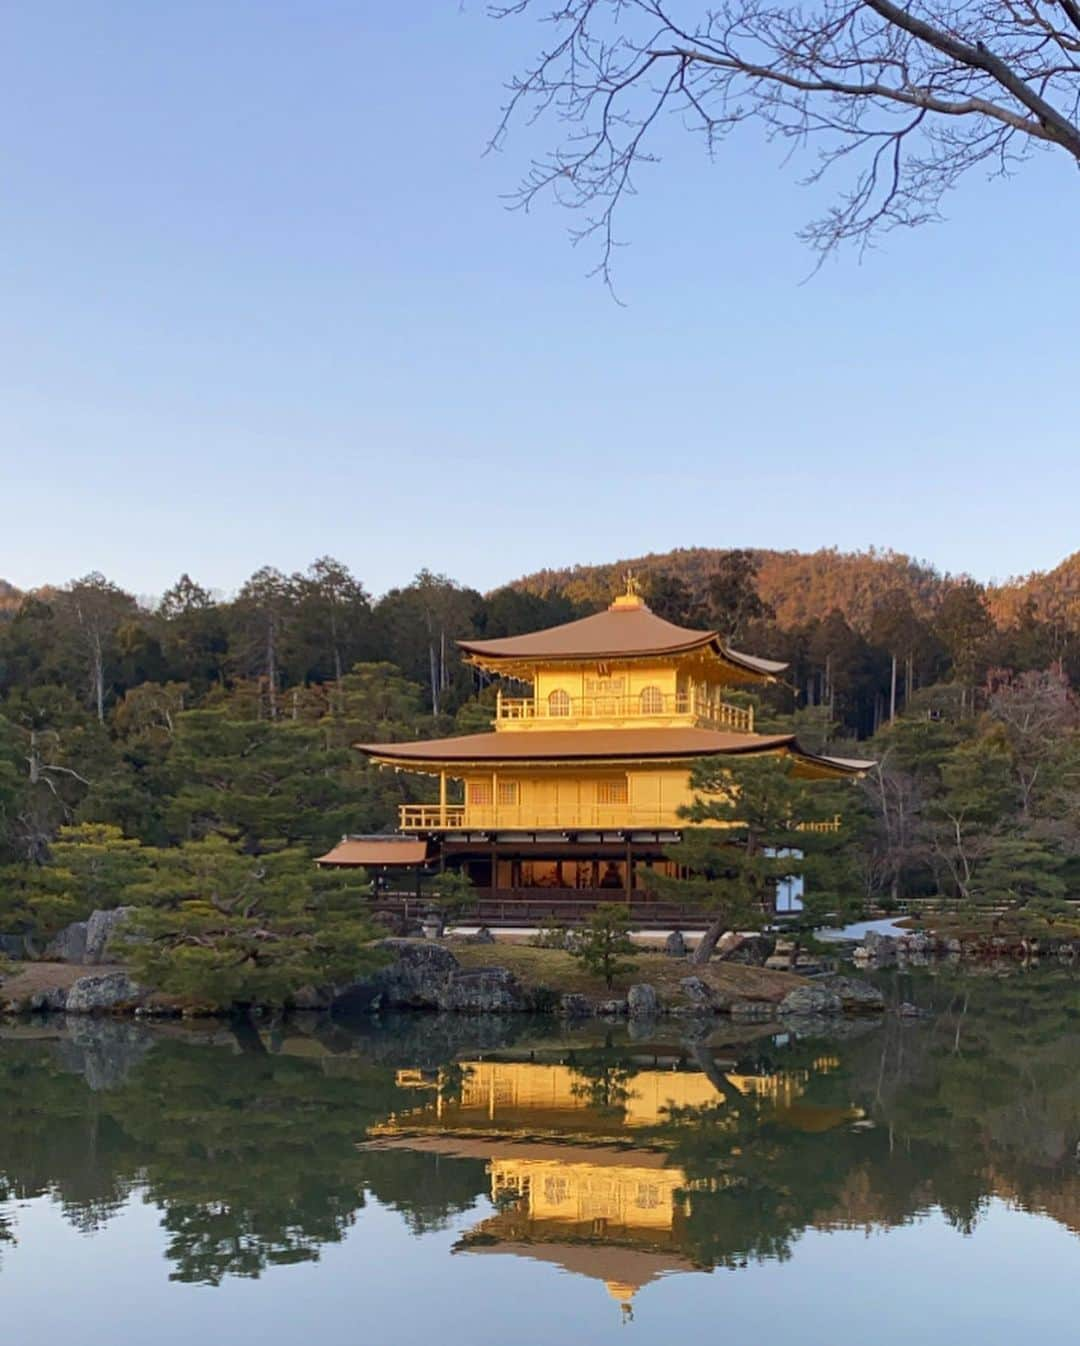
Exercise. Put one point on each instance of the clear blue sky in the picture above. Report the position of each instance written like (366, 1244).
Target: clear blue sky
(262, 302)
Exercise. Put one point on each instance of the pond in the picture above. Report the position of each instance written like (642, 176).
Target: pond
(484, 1181)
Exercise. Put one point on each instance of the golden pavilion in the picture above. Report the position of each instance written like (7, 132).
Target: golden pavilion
(578, 785)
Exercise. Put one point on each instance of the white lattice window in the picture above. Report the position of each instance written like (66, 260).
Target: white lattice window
(612, 792)
(652, 701)
(559, 702)
(508, 792)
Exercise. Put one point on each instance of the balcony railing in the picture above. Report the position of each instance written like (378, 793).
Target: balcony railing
(431, 817)
(580, 818)
(709, 710)
(825, 825)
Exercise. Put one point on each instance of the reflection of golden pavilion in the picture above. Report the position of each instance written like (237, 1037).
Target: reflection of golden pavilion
(550, 1097)
(566, 1189)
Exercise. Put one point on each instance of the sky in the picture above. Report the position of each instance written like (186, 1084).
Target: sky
(263, 301)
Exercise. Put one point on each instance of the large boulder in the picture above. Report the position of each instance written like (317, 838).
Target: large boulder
(700, 995)
(414, 977)
(573, 1005)
(642, 1002)
(100, 929)
(856, 997)
(17, 946)
(69, 946)
(879, 948)
(675, 945)
(811, 1000)
(782, 955)
(53, 998)
(754, 950)
(102, 992)
(482, 990)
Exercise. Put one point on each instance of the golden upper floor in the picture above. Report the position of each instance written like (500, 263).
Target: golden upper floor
(625, 667)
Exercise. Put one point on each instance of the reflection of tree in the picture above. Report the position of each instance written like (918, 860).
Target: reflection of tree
(427, 1190)
(60, 1139)
(603, 1082)
(253, 1157)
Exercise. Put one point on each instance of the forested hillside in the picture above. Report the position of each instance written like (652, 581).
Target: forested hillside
(798, 586)
(203, 745)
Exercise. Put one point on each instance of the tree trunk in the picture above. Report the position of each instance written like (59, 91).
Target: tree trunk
(709, 941)
(271, 667)
(706, 1063)
(892, 692)
(98, 676)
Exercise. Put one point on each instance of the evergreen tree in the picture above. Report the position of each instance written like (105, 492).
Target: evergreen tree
(744, 838)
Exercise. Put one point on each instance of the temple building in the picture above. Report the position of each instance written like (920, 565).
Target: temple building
(578, 785)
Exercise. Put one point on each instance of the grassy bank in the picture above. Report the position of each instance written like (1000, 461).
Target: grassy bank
(557, 970)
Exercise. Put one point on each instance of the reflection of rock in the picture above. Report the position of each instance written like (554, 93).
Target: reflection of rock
(103, 1052)
(752, 1011)
(425, 1040)
(641, 1029)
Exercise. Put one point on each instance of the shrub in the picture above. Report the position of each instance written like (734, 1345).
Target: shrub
(604, 947)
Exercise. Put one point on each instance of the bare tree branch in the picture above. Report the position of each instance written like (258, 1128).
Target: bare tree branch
(908, 98)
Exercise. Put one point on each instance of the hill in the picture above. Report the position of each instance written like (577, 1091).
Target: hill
(1054, 593)
(10, 597)
(799, 585)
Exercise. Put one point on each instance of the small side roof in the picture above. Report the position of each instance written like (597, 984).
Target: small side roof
(375, 851)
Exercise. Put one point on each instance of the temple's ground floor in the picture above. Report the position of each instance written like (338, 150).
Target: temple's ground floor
(526, 878)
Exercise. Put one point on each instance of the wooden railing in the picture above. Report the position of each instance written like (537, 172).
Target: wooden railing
(431, 817)
(512, 817)
(826, 825)
(581, 818)
(561, 906)
(709, 710)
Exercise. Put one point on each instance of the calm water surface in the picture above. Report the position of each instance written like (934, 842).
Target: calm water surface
(473, 1182)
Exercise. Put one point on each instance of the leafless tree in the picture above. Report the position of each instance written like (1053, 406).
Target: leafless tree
(262, 610)
(95, 608)
(907, 98)
(897, 843)
(1038, 710)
